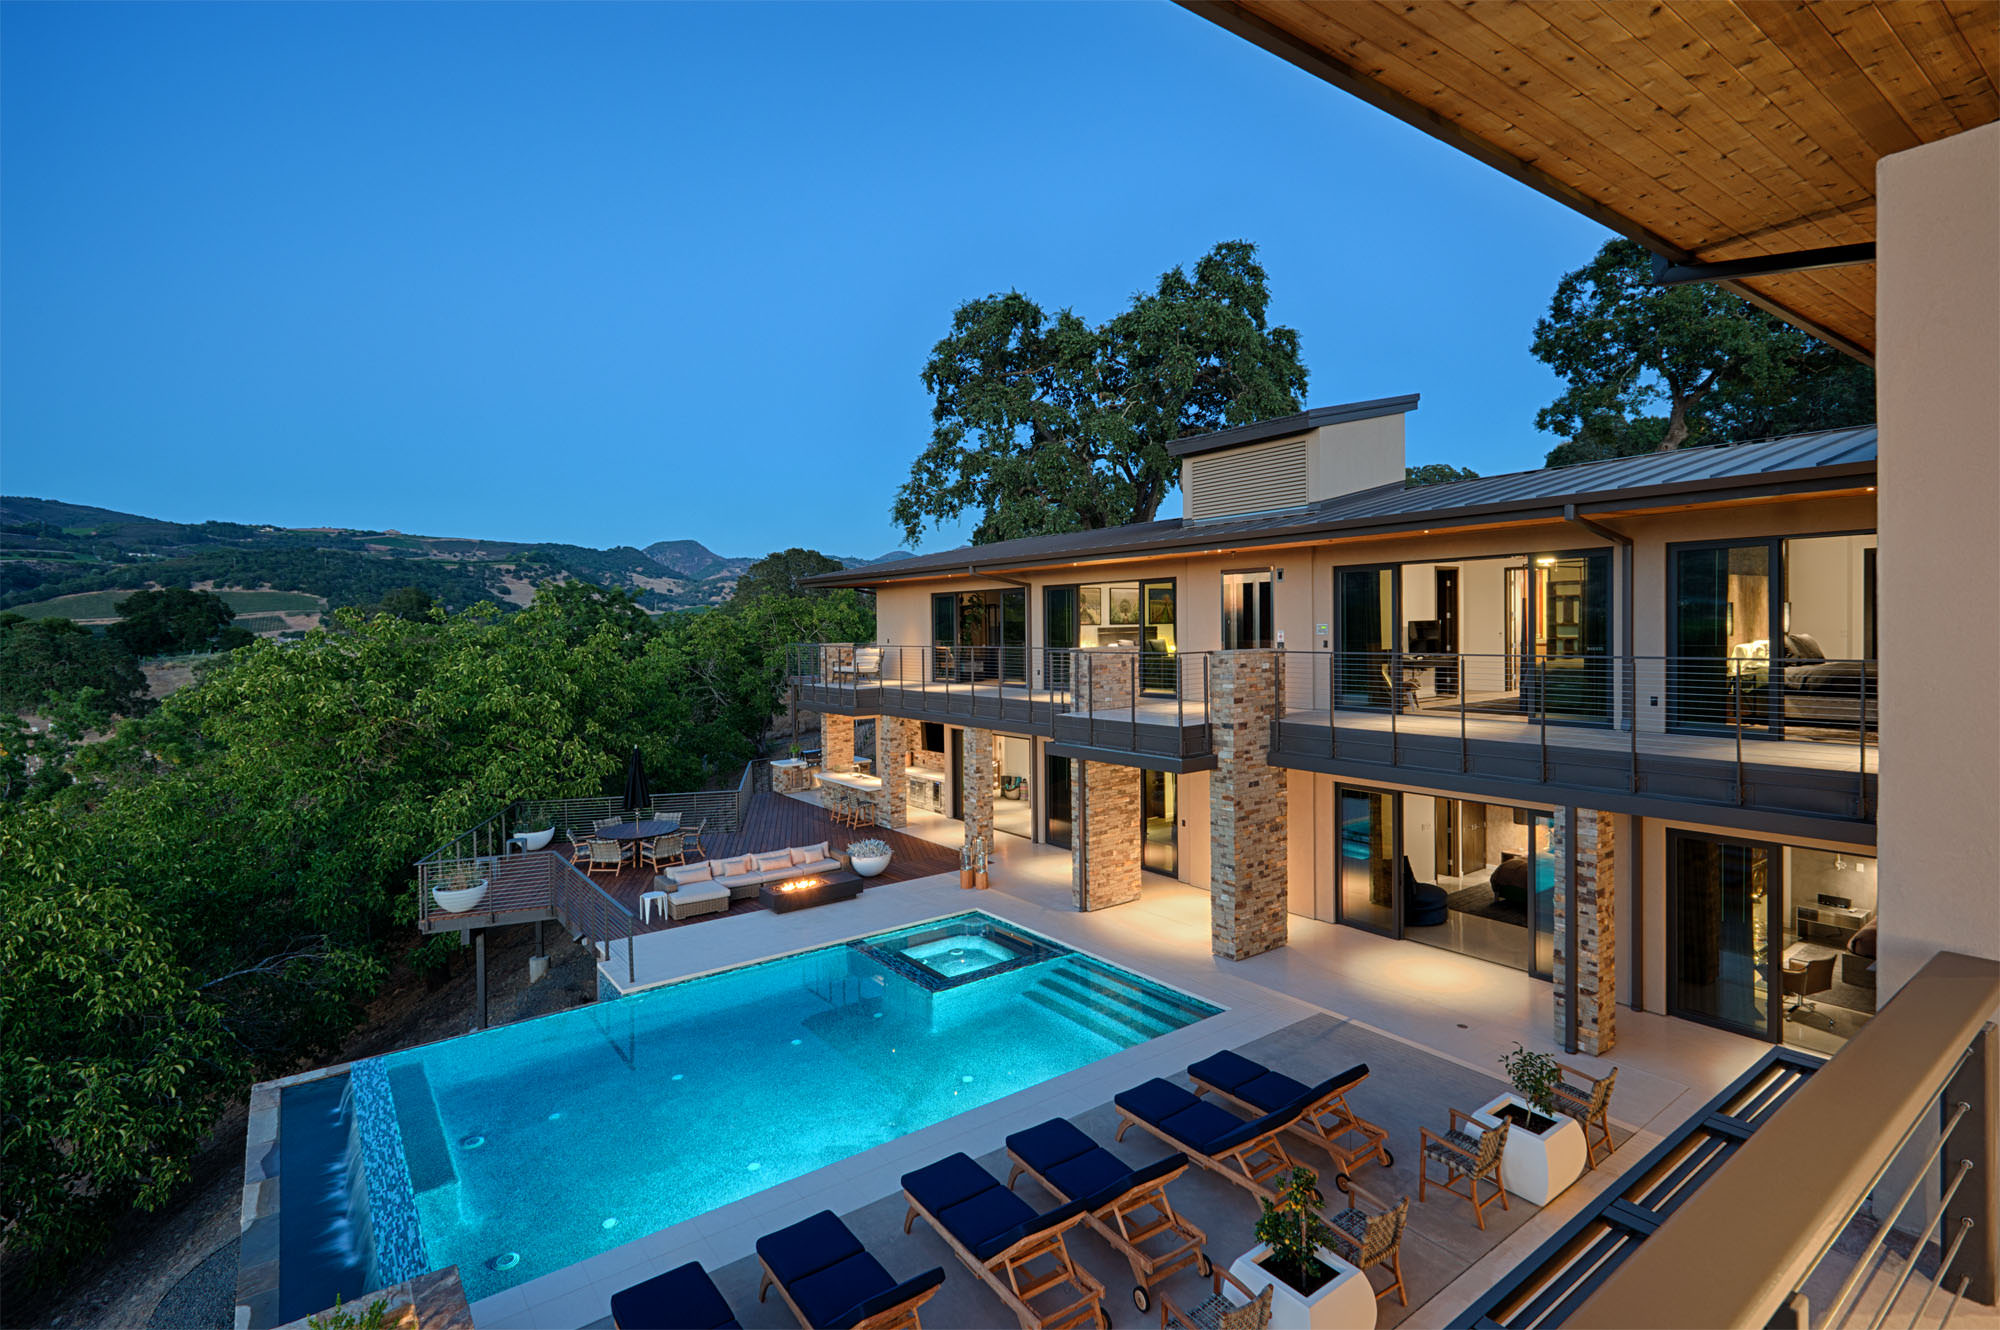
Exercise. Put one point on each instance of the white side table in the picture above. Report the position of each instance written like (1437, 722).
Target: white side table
(1537, 1167)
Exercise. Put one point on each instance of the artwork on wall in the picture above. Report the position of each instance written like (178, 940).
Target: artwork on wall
(1090, 606)
(1125, 605)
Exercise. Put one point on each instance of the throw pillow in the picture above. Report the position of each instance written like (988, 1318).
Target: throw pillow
(775, 860)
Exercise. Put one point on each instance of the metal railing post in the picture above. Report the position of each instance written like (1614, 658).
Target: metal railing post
(1395, 705)
(1464, 757)
(1632, 715)
(1542, 706)
(1738, 692)
(1861, 742)
(1133, 714)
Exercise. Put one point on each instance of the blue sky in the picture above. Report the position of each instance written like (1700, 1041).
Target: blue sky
(618, 274)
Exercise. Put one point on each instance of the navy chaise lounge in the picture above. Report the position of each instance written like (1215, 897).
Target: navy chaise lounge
(1329, 1123)
(1247, 1153)
(1128, 1207)
(831, 1283)
(684, 1298)
(1014, 1250)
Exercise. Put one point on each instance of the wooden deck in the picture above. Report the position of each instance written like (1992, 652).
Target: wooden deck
(776, 822)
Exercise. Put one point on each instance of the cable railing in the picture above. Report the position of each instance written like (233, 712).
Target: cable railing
(1439, 709)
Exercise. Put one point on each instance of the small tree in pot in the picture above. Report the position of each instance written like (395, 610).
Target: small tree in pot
(1294, 1231)
(1534, 1077)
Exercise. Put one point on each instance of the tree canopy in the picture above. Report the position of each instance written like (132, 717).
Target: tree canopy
(44, 657)
(780, 574)
(175, 620)
(1047, 423)
(1436, 473)
(1651, 368)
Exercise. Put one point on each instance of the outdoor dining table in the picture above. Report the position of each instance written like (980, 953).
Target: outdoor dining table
(635, 834)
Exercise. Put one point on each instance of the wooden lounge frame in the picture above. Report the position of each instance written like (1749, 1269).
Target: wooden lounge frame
(1009, 1276)
(902, 1316)
(1249, 1165)
(1328, 1124)
(1126, 1225)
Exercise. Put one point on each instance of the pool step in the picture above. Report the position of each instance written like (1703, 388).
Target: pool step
(1123, 988)
(424, 1147)
(1107, 1008)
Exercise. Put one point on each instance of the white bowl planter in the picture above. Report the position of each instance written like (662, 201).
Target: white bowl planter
(1537, 1166)
(534, 840)
(460, 900)
(869, 865)
(1345, 1302)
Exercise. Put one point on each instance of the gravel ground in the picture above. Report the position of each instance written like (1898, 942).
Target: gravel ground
(205, 1298)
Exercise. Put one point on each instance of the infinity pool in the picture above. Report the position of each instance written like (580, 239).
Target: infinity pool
(531, 1147)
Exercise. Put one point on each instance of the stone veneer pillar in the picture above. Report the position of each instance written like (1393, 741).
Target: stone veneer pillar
(976, 800)
(1586, 936)
(1247, 799)
(836, 743)
(1104, 677)
(1105, 835)
(896, 737)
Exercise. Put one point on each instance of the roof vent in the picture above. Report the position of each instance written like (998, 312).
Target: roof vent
(1261, 478)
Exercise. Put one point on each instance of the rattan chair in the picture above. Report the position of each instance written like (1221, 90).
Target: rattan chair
(600, 823)
(1368, 1240)
(691, 845)
(1464, 1156)
(1217, 1312)
(1590, 1104)
(606, 856)
(663, 851)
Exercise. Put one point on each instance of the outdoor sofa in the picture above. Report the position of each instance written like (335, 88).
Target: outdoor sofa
(710, 886)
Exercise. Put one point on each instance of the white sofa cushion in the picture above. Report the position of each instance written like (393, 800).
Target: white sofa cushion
(805, 854)
(701, 891)
(774, 861)
(736, 867)
(687, 873)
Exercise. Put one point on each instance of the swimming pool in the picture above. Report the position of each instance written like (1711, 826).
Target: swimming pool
(533, 1146)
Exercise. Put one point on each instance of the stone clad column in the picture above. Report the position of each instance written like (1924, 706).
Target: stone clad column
(836, 743)
(1105, 835)
(1105, 677)
(1247, 807)
(896, 737)
(1586, 936)
(981, 775)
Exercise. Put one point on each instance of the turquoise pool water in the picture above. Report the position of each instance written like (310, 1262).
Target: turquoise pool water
(535, 1146)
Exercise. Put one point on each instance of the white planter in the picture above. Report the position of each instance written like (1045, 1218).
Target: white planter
(1345, 1302)
(869, 865)
(1537, 1167)
(535, 840)
(461, 900)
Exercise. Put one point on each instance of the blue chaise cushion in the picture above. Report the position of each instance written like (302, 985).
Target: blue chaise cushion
(1278, 1119)
(887, 1298)
(815, 1243)
(937, 1187)
(1226, 1070)
(1033, 1224)
(1181, 1114)
(1088, 1173)
(684, 1298)
(1133, 1181)
(823, 1295)
(1054, 1142)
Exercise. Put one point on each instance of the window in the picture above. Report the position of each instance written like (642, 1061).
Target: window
(1247, 619)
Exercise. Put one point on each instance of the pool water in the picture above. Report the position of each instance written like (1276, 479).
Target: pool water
(537, 1145)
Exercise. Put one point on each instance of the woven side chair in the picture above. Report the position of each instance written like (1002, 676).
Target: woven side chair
(1587, 1098)
(1464, 1156)
(1369, 1240)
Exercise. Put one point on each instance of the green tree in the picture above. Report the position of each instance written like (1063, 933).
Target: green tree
(1721, 368)
(45, 658)
(172, 620)
(781, 573)
(1436, 473)
(407, 602)
(1047, 424)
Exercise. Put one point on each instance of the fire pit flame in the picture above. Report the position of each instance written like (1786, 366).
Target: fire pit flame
(799, 884)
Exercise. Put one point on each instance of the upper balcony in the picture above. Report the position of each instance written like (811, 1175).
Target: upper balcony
(1140, 708)
(1785, 739)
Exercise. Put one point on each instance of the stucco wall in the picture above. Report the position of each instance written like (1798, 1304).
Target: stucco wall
(1938, 400)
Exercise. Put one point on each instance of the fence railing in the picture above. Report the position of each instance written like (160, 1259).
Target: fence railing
(1666, 706)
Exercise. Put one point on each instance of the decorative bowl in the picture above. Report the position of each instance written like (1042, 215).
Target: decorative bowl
(535, 840)
(461, 899)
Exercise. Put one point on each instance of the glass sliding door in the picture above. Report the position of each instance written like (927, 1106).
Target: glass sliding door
(1247, 619)
(1724, 620)
(1543, 863)
(979, 635)
(1365, 620)
(1058, 817)
(1156, 663)
(1365, 891)
(1570, 605)
(1014, 808)
(944, 636)
(1159, 821)
(1059, 624)
(1721, 920)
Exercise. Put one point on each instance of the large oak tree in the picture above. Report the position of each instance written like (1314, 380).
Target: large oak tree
(1652, 368)
(1048, 423)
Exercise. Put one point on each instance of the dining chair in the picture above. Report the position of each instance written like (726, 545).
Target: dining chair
(663, 851)
(691, 840)
(1464, 1156)
(606, 856)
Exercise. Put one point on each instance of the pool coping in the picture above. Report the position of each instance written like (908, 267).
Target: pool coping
(263, 1194)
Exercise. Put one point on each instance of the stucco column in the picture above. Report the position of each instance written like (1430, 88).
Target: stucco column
(1247, 800)
(981, 774)
(1105, 845)
(836, 743)
(1586, 937)
(896, 737)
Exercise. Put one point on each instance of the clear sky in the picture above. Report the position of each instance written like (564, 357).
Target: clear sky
(617, 274)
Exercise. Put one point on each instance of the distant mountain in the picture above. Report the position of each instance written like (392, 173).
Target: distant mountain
(49, 548)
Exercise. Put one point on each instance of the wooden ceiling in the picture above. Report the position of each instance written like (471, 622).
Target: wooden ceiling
(1706, 129)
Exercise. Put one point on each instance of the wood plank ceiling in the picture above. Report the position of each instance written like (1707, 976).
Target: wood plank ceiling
(1706, 129)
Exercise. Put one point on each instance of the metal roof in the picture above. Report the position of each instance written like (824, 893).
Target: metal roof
(1298, 424)
(1800, 462)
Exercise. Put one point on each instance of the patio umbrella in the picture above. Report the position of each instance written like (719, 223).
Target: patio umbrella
(637, 796)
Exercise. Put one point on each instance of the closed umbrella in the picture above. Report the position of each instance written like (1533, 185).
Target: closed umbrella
(637, 796)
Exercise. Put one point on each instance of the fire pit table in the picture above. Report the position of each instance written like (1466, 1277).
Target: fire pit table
(803, 893)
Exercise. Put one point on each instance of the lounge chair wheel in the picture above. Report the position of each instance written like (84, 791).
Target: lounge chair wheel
(1104, 1318)
(1140, 1298)
(1204, 1267)
(1343, 1182)
(1388, 1160)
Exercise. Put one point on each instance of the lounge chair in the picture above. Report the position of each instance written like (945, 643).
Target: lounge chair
(1128, 1206)
(684, 1298)
(1219, 1311)
(1587, 1098)
(830, 1282)
(1329, 1123)
(1467, 1156)
(1247, 1153)
(1014, 1251)
(1368, 1240)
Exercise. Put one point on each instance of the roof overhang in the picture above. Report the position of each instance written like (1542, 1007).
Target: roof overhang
(1706, 131)
(1286, 426)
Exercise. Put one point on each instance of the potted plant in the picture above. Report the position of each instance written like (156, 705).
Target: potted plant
(1545, 1149)
(1311, 1287)
(459, 892)
(869, 857)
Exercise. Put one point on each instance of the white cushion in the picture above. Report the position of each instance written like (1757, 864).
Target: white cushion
(735, 867)
(701, 891)
(776, 859)
(700, 872)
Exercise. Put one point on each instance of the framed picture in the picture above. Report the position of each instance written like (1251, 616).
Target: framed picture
(1160, 606)
(1125, 605)
(1090, 606)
